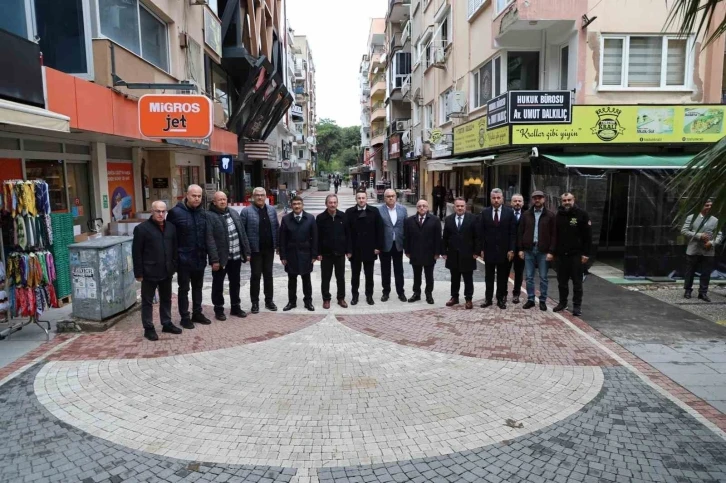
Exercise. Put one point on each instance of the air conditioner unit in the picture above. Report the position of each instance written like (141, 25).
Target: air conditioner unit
(198, 2)
(457, 101)
(193, 87)
(401, 125)
(439, 55)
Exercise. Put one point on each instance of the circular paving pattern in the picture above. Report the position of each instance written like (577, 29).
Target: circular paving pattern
(325, 395)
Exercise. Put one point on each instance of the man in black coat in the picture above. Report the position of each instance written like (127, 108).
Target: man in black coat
(298, 252)
(365, 243)
(517, 204)
(439, 197)
(332, 244)
(459, 249)
(422, 246)
(196, 244)
(155, 257)
(234, 250)
(497, 239)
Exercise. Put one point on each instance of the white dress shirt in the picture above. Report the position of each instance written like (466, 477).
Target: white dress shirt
(394, 218)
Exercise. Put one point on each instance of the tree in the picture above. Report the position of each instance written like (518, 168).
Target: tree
(328, 139)
(337, 146)
(705, 175)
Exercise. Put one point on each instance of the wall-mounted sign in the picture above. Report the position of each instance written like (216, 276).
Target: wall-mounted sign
(497, 110)
(121, 189)
(226, 164)
(474, 136)
(538, 107)
(630, 124)
(296, 111)
(212, 32)
(160, 183)
(175, 116)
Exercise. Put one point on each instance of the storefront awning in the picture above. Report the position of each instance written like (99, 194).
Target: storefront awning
(449, 164)
(641, 161)
(17, 114)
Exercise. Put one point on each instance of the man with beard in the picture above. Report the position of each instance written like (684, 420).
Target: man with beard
(517, 204)
(498, 236)
(537, 244)
(700, 232)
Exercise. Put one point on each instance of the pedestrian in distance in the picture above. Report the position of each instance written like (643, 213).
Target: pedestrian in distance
(364, 244)
(333, 237)
(394, 216)
(336, 183)
(422, 245)
(234, 250)
(259, 220)
(573, 230)
(459, 249)
(537, 243)
(155, 255)
(439, 197)
(298, 252)
(701, 234)
(195, 243)
(517, 263)
(497, 239)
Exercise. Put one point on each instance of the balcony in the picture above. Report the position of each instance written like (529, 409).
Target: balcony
(379, 86)
(524, 18)
(378, 112)
(406, 34)
(378, 136)
(398, 10)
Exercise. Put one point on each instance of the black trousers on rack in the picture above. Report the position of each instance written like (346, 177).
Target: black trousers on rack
(148, 288)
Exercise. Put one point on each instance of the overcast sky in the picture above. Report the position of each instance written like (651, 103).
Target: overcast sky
(337, 31)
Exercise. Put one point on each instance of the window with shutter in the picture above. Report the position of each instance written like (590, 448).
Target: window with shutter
(474, 6)
(644, 61)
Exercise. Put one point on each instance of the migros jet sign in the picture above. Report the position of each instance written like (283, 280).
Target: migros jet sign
(175, 116)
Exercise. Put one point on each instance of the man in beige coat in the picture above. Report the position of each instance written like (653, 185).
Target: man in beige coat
(702, 238)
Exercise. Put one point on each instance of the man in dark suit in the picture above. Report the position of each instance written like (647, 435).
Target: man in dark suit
(517, 263)
(459, 249)
(298, 252)
(364, 244)
(155, 255)
(497, 235)
(332, 245)
(422, 245)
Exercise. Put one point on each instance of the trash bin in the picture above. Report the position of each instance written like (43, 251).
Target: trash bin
(102, 275)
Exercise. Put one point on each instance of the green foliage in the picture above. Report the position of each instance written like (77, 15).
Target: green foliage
(697, 16)
(337, 146)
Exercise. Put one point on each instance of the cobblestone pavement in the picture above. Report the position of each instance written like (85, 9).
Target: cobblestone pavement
(390, 392)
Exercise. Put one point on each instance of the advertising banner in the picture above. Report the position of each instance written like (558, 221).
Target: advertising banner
(620, 124)
(474, 136)
(121, 189)
(175, 116)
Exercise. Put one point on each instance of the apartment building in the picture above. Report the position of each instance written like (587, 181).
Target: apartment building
(597, 98)
(304, 148)
(74, 121)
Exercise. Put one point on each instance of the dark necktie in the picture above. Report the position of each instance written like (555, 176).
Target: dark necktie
(496, 217)
(420, 220)
(517, 215)
(297, 218)
(458, 223)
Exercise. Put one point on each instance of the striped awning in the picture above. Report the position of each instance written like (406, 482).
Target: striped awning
(258, 150)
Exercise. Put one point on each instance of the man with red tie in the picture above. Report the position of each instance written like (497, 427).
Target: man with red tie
(422, 246)
(498, 234)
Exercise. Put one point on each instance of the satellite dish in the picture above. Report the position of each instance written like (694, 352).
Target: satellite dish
(311, 140)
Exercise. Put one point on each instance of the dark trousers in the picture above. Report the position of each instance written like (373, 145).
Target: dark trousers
(502, 276)
(456, 284)
(148, 289)
(439, 208)
(261, 266)
(429, 273)
(569, 267)
(195, 278)
(518, 265)
(397, 258)
(327, 265)
(231, 271)
(355, 266)
(292, 288)
(706, 267)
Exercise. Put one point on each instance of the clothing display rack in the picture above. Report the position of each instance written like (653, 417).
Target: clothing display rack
(28, 271)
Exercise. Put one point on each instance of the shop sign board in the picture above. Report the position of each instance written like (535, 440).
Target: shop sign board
(474, 136)
(175, 116)
(538, 107)
(212, 32)
(620, 124)
(497, 111)
(160, 183)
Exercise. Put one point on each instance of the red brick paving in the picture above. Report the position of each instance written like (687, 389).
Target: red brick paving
(511, 335)
(32, 355)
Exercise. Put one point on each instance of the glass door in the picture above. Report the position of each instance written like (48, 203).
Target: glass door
(79, 194)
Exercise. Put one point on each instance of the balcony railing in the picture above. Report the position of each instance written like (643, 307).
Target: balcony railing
(377, 105)
(406, 86)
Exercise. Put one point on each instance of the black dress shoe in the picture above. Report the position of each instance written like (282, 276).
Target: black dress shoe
(543, 306)
(289, 307)
(238, 312)
(576, 311)
(370, 300)
(171, 329)
(429, 300)
(502, 304)
(187, 324)
(354, 300)
(704, 297)
(515, 299)
(271, 306)
(528, 304)
(414, 298)
(487, 303)
(220, 317)
(559, 307)
(687, 295)
(200, 319)
(384, 298)
(151, 335)
(255, 308)
(402, 298)
(310, 307)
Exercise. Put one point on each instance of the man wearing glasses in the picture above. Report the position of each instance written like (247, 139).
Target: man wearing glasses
(155, 258)
(393, 216)
(260, 222)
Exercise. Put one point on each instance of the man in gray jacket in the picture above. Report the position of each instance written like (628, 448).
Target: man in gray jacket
(393, 216)
(700, 233)
(233, 249)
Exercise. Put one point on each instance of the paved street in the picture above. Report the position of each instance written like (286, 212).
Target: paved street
(390, 392)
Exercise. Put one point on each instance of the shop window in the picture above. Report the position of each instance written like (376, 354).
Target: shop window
(79, 193)
(508, 180)
(134, 27)
(42, 146)
(645, 62)
(52, 172)
(186, 175)
(522, 71)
